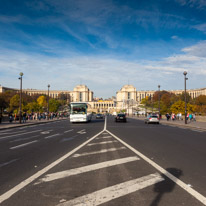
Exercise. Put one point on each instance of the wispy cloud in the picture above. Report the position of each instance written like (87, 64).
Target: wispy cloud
(98, 72)
(199, 4)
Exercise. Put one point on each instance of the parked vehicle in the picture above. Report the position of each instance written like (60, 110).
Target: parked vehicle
(152, 119)
(120, 118)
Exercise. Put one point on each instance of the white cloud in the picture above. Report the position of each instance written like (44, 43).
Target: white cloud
(101, 74)
(198, 49)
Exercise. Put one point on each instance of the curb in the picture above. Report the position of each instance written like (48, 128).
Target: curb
(32, 123)
(183, 126)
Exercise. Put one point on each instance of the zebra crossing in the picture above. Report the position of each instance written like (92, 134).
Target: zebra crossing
(110, 192)
(102, 170)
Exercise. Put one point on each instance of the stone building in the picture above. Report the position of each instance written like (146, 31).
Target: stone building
(81, 93)
(127, 97)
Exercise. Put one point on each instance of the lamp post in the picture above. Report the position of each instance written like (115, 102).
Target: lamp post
(159, 100)
(20, 101)
(48, 103)
(185, 73)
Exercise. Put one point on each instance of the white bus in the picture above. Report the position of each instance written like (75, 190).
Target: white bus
(78, 112)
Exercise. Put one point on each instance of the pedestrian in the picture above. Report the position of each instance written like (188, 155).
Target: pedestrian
(10, 117)
(180, 116)
(190, 117)
(187, 116)
(24, 117)
(15, 117)
(194, 118)
(168, 117)
(173, 116)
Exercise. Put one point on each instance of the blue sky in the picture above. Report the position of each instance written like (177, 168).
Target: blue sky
(104, 44)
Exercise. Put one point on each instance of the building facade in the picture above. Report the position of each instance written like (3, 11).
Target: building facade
(81, 93)
(126, 97)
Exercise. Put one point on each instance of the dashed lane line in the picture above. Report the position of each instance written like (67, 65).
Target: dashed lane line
(51, 136)
(68, 131)
(5, 133)
(99, 143)
(99, 152)
(25, 138)
(116, 191)
(27, 181)
(88, 168)
(47, 131)
(23, 145)
(20, 134)
(177, 181)
(68, 138)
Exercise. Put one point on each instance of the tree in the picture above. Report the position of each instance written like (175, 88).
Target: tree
(54, 105)
(42, 101)
(14, 103)
(3, 103)
(182, 97)
(32, 107)
(200, 100)
(179, 107)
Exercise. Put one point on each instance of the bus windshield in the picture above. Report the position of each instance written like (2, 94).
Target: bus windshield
(78, 109)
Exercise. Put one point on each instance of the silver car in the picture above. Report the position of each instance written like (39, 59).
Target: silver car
(152, 119)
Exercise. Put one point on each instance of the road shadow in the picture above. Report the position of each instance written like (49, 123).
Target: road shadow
(165, 186)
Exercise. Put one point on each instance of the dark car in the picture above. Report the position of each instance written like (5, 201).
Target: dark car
(120, 118)
(99, 116)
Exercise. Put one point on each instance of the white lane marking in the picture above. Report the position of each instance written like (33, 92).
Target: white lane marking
(68, 138)
(47, 132)
(11, 132)
(20, 134)
(116, 191)
(23, 145)
(99, 143)
(106, 137)
(105, 123)
(81, 131)
(88, 168)
(184, 186)
(25, 138)
(7, 163)
(68, 131)
(98, 152)
(24, 183)
(54, 135)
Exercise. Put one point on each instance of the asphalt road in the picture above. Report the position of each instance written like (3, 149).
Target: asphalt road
(95, 163)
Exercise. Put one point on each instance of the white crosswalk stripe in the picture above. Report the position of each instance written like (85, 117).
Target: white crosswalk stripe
(98, 152)
(99, 143)
(88, 168)
(113, 192)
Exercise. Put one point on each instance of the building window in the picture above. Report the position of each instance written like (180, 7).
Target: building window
(80, 96)
(129, 95)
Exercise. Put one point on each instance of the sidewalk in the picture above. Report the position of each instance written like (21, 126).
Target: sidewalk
(7, 125)
(179, 123)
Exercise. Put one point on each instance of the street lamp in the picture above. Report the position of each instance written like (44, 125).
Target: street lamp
(159, 100)
(185, 73)
(48, 103)
(20, 101)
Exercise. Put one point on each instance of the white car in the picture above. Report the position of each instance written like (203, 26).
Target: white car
(152, 119)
